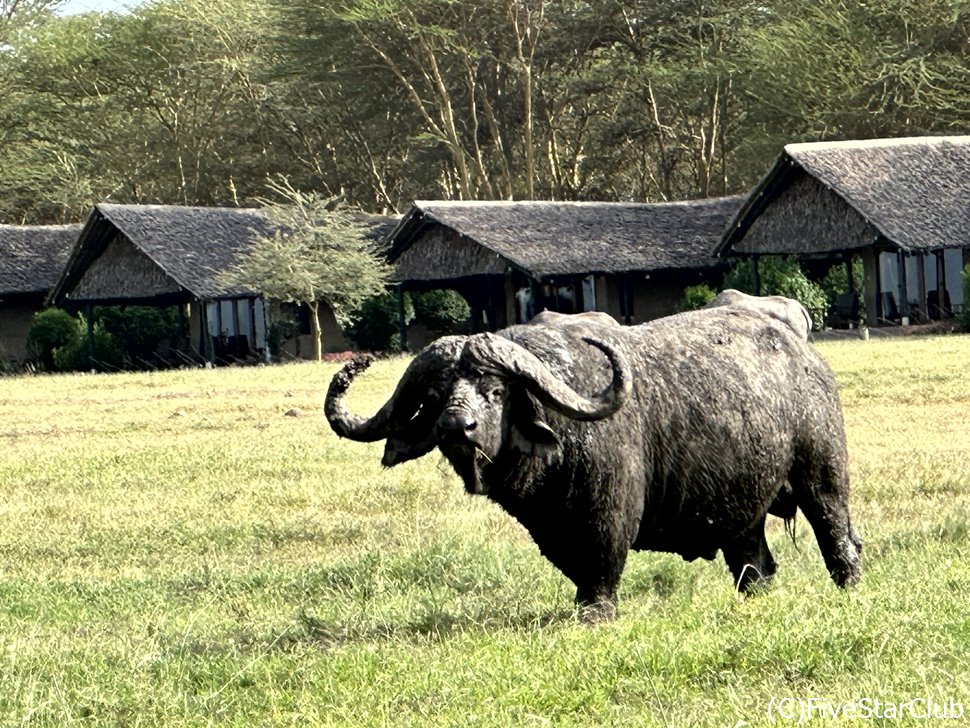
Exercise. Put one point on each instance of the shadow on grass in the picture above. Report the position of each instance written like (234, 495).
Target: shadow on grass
(427, 624)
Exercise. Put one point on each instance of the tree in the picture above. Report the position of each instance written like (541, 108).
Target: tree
(320, 252)
(16, 15)
(843, 69)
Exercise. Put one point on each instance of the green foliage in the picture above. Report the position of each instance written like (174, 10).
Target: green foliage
(380, 101)
(697, 296)
(51, 330)
(441, 310)
(320, 252)
(836, 282)
(99, 352)
(780, 276)
(123, 337)
(139, 331)
(375, 325)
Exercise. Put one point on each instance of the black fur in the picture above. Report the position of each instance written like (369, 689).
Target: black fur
(730, 416)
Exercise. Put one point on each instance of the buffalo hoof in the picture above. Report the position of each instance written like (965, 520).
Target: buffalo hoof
(602, 611)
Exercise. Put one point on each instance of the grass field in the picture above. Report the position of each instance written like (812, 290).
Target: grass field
(176, 550)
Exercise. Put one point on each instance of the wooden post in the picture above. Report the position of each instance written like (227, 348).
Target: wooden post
(903, 293)
(870, 267)
(402, 324)
(921, 271)
(89, 315)
(205, 344)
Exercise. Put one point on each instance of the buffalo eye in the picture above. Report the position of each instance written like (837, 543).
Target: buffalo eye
(493, 391)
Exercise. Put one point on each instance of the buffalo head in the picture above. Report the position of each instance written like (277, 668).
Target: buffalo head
(475, 398)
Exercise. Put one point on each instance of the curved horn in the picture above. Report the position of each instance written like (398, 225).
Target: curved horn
(407, 398)
(512, 359)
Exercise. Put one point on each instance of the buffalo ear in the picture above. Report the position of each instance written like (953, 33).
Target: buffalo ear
(535, 438)
(416, 439)
(400, 450)
(529, 433)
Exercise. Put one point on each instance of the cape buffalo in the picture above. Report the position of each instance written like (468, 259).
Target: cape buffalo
(692, 430)
(787, 310)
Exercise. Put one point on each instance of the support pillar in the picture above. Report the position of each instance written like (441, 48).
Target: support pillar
(402, 325)
(870, 268)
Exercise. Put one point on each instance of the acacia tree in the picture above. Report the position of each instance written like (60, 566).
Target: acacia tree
(320, 252)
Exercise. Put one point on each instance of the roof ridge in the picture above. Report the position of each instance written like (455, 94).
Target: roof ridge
(573, 203)
(876, 143)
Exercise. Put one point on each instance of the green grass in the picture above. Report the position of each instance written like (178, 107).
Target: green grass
(175, 549)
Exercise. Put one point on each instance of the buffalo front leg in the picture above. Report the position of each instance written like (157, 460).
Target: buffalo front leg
(598, 581)
(823, 496)
(750, 560)
(840, 545)
(596, 604)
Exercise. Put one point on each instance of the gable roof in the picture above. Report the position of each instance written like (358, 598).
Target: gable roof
(32, 256)
(560, 238)
(190, 246)
(913, 192)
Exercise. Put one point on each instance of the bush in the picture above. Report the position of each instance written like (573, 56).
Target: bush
(106, 356)
(442, 310)
(780, 276)
(375, 326)
(60, 343)
(697, 296)
(836, 282)
(139, 331)
(51, 330)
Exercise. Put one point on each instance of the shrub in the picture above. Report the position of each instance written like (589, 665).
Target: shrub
(836, 282)
(780, 276)
(697, 296)
(106, 355)
(51, 330)
(442, 310)
(374, 326)
(139, 331)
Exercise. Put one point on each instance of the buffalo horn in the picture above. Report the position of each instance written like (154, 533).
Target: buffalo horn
(410, 393)
(511, 359)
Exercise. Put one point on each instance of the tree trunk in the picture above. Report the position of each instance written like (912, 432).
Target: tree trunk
(315, 331)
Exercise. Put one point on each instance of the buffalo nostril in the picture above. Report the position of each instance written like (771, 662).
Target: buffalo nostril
(456, 423)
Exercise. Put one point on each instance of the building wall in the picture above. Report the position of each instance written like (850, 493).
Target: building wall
(300, 346)
(15, 322)
(123, 271)
(441, 254)
(806, 215)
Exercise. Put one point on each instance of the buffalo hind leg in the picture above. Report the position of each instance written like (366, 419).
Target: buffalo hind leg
(750, 560)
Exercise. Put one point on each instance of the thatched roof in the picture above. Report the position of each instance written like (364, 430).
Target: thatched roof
(562, 238)
(32, 256)
(908, 193)
(156, 253)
